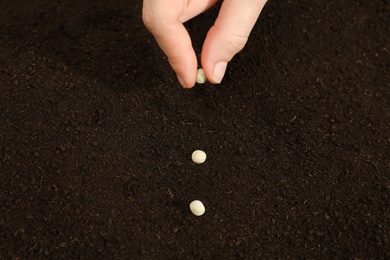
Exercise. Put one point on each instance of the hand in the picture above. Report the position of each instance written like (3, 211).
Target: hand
(228, 36)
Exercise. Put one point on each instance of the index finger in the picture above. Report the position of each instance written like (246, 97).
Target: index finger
(162, 18)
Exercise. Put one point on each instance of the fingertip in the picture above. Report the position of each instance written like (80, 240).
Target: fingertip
(185, 83)
(219, 70)
(184, 64)
(181, 81)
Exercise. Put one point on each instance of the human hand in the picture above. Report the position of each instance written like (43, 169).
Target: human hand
(228, 36)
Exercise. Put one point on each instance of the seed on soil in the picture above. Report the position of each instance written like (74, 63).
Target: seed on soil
(197, 208)
(200, 76)
(198, 156)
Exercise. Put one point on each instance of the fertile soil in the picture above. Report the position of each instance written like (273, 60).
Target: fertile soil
(96, 136)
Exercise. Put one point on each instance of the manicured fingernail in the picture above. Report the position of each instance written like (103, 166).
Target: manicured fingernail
(219, 71)
(181, 81)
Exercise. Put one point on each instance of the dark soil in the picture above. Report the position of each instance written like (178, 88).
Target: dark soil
(96, 136)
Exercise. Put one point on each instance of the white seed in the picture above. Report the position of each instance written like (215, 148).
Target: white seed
(197, 208)
(200, 76)
(198, 156)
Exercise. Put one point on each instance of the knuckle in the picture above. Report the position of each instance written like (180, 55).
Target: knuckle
(236, 42)
(148, 20)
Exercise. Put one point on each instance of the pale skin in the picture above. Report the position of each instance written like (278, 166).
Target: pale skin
(228, 35)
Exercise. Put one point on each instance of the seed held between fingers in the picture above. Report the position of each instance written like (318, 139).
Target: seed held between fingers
(200, 76)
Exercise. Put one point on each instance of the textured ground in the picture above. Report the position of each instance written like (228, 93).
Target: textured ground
(96, 136)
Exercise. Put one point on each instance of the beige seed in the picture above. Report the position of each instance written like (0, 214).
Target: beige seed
(197, 208)
(198, 156)
(200, 76)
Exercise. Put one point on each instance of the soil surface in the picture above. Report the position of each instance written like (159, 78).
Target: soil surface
(96, 136)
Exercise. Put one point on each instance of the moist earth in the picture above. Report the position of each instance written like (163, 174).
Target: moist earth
(96, 136)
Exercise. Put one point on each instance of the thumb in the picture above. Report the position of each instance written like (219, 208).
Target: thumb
(228, 36)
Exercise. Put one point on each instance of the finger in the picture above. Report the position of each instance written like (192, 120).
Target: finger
(177, 46)
(228, 35)
(162, 20)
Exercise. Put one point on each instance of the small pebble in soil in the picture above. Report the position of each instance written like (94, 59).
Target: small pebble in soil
(200, 76)
(197, 208)
(198, 156)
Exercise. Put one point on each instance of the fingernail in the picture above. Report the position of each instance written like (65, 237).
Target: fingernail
(219, 71)
(181, 81)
